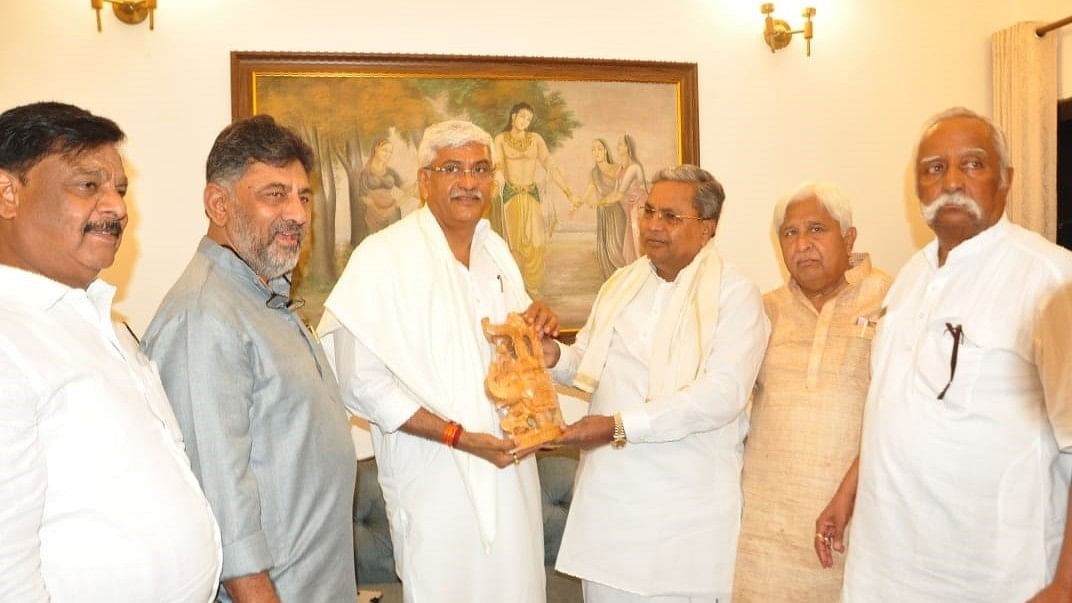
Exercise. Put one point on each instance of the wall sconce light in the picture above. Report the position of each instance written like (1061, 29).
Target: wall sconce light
(777, 33)
(130, 12)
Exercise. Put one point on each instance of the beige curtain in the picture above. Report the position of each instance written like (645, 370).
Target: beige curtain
(1025, 106)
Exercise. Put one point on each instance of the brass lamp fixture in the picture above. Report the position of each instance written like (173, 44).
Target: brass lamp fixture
(777, 33)
(130, 12)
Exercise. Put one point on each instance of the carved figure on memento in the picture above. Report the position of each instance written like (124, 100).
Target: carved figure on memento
(520, 386)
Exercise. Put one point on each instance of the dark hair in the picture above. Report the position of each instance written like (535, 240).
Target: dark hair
(518, 108)
(31, 132)
(709, 195)
(247, 141)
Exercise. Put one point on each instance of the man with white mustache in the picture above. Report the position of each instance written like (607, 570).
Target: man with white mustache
(403, 326)
(964, 468)
(254, 394)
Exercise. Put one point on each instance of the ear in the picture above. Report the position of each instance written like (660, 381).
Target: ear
(423, 182)
(217, 204)
(850, 239)
(9, 195)
(713, 226)
(1008, 178)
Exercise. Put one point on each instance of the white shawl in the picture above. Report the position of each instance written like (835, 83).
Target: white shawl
(684, 334)
(402, 298)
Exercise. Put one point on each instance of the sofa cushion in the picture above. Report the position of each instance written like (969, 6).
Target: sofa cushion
(374, 558)
(556, 492)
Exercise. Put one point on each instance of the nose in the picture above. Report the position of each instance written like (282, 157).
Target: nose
(803, 241)
(295, 209)
(953, 179)
(467, 179)
(111, 203)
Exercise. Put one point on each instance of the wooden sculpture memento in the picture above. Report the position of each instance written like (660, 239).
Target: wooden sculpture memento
(520, 386)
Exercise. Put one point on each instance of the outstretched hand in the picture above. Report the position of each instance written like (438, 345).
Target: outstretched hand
(540, 316)
(590, 432)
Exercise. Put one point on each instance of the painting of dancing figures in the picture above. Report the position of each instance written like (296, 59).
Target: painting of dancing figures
(572, 158)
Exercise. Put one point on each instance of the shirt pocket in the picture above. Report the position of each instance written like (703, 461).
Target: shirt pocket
(934, 370)
(850, 346)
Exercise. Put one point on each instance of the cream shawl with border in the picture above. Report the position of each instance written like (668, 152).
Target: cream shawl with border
(684, 334)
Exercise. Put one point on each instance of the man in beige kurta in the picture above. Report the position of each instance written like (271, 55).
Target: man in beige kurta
(806, 414)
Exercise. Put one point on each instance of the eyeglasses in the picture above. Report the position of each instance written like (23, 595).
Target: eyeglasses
(668, 217)
(455, 171)
(277, 301)
(957, 331)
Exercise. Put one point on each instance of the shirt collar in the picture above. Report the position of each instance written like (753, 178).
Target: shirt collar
(971, 247)
(689, 268)
(859, 268)
(228, 259)
(34, 290)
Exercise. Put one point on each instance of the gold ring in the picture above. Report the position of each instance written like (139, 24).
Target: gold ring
(516, 460)
(823, 538)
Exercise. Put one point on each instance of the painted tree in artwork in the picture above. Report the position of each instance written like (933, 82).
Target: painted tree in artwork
(340, 117)
(487, 103)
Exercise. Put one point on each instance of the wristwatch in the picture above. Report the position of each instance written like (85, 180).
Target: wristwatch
(618, 439)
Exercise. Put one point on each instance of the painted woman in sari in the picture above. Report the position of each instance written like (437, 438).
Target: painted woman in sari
(610, 216)
(632, 192)
(379, 187)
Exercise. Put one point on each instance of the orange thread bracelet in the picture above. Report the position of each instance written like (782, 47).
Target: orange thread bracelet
(452, 433)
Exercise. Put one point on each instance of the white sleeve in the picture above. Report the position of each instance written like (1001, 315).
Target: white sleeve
(369, 388)
(23, 480)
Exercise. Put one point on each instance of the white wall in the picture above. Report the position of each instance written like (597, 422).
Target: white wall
(849, 114)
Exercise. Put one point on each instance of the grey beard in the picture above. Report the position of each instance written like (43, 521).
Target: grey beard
(259, 254)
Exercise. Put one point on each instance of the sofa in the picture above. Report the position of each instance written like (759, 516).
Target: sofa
(374, 553)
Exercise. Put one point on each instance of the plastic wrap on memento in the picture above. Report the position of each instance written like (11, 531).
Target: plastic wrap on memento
(520, 386)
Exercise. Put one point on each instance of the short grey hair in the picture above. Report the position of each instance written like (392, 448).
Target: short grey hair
(997, 137)
(450, 135)
(829, 196)
(709, 193)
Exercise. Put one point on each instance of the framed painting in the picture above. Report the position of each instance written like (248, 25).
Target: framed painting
(576, 143)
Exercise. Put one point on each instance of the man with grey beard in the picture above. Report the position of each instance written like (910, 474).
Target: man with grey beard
(964, 468)
(253, 392)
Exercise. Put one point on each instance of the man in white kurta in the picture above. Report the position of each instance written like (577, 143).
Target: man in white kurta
(97, 499)
(964, 471)
(403, 324)
(670, 352)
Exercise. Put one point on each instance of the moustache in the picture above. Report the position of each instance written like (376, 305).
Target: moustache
(108, 227)
(289, 227)
(457, 193)
(958, 199)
